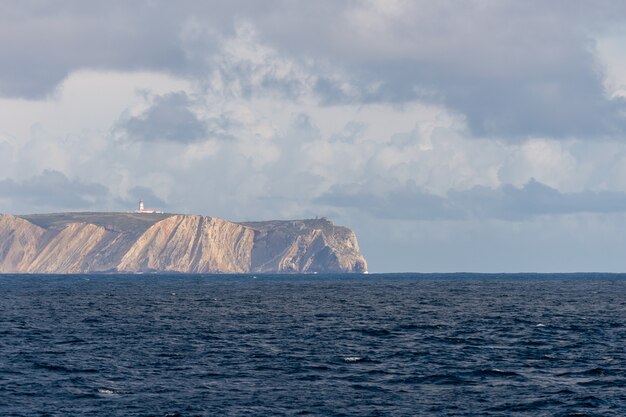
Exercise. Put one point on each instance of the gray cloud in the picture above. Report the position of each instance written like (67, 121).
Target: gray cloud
(52, 190)
(513, 69)
(410, 202)
(169, 118)
(505, 202)
(41, 43)
(535, 198)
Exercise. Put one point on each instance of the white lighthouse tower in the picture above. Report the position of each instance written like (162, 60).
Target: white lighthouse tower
(142, 209)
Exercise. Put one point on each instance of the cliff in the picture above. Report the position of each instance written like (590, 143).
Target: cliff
(132, 242)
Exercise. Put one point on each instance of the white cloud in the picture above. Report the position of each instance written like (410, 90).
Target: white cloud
(268, 144)
(612, 57)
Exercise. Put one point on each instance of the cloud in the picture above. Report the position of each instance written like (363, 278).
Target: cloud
(534, 199)
(512, 69)
(53, 190)
(169, 118)
(506, 202)
(410, 202)
(42, 44)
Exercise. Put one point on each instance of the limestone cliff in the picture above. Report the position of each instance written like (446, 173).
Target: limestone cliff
(191, 244)
(305, 246)
(131, 242)
(19, 241)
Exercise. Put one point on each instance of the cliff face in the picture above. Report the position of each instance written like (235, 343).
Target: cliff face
(129, 242)
(305, 246)
(191, 244)
(19, 241)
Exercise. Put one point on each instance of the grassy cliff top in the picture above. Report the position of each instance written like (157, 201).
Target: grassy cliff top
(137, 223)
(118, 222)
(292, 225)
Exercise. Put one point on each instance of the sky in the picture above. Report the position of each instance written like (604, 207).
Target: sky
(485, 136)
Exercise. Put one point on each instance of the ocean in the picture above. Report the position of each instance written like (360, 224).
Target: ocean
(314, 345)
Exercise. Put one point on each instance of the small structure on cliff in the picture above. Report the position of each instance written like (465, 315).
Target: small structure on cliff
(142, 209)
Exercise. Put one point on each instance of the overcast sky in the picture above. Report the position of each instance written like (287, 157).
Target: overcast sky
(450, 136)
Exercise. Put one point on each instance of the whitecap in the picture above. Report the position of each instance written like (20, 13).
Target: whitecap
(352, 359)
(105, 391)
(540, 325)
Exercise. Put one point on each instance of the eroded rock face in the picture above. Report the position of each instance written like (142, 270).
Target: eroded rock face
(191, 244)
(19, 241)
(305, 246)
(127, 242)
(70, 250)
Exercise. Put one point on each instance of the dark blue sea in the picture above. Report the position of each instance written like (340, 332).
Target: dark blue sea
(319, 345)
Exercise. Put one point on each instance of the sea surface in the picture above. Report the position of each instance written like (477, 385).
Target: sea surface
(327, 345)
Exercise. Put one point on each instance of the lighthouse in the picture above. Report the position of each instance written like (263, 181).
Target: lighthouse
(142, 209)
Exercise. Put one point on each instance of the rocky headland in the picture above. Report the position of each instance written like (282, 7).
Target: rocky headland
(63, 243)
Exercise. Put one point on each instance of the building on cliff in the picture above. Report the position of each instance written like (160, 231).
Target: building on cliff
(142, 209)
